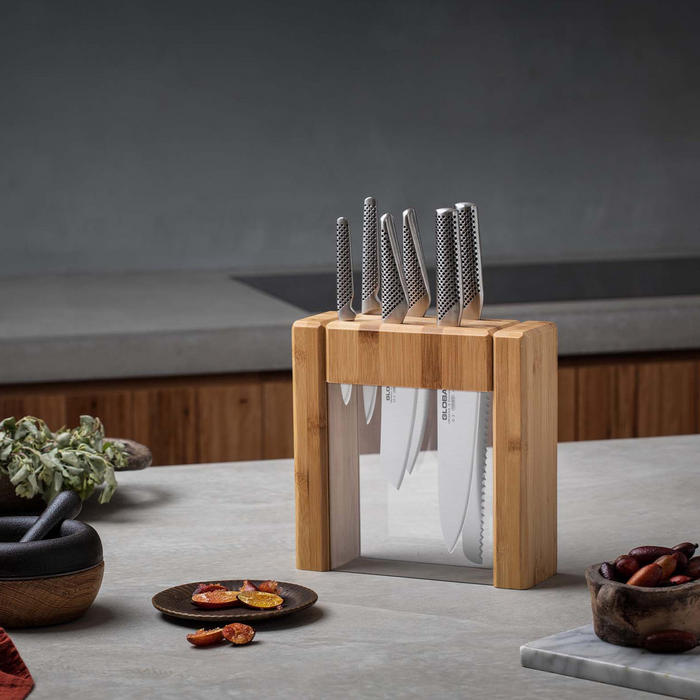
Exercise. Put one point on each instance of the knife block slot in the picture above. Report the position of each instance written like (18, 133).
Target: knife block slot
(516, 361)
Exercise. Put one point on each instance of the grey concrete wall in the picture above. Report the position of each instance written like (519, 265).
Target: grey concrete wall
(200, 134)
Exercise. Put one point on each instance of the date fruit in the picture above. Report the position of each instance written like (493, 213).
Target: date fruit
(208, 587)
(205, 638)
(259, 600)
(216, 599)
(693, 568)
(647, 554)
(668, 563)
(269, 587)
(626, 566)
(648, 576)
(249, 586)
(688, 548)
(608, 571)
(680, 579)
(670, 642)
(237, 633)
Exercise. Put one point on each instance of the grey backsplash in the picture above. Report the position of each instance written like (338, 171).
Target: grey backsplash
(142, 135)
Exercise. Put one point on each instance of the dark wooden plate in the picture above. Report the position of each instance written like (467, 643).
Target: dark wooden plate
(177, 602)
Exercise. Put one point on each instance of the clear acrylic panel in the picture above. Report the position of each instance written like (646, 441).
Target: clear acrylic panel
(400, 531)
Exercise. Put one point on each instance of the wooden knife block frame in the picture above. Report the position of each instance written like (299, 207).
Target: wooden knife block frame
(515, 360)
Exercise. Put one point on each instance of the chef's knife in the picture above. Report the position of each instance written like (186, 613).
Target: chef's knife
(418, 288)
(345, 287)
(370, 285)
(455, 408)
(398, 403)
(472, 298)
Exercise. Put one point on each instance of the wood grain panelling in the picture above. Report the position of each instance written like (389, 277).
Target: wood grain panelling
(277, 418)
(113, 408)
(51, 408)
(667, 399)
(230, 422)
(165, 420)
(567, 404)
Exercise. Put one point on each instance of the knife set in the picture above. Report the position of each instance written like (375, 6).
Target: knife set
(455, 378)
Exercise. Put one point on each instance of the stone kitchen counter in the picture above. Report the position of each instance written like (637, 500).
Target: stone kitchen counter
(368, 636)
(112, 326)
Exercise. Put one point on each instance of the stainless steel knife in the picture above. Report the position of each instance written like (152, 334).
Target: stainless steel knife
(455, 408)
(370, 285)
(398, 403)
(345, 287)
(472, 299)
(418, 288)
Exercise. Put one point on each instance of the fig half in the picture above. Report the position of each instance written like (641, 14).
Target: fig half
(259, 600)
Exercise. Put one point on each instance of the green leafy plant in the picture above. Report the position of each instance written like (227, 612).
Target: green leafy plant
(40, 462)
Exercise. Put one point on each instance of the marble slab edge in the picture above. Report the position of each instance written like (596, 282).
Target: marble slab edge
(580, 654)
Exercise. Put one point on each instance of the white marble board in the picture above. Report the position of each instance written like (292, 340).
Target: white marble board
(579, 653)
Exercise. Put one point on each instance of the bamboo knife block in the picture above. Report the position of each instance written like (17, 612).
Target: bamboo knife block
(515, 360)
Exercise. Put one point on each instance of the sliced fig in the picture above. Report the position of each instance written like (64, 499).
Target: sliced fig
(237, 633)
(205, 638)
(208, 587)
(216, 599)
(269, 587)
(248, 586)
(259, 600)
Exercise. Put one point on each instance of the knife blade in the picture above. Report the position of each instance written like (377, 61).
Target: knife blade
(398, 404)
(345, 287)
(471, 294)
(370, 286)
(418, 288)
(455, 408)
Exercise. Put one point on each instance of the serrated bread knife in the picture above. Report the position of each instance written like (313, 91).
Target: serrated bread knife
(370, 285)
(345, 287)
(398, 403)
(418, 288)
(457, 411)
(472, 300)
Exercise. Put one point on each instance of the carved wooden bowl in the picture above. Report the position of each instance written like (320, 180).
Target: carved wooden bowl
(51, 580)
(625, 615)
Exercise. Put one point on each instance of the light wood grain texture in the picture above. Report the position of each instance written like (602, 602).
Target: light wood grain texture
(344, 475)
(165, 421)
(311, 442)
(431, 356)
(667, 399)
(277, 418)
(567, 404)
(525, 455)
(229, 420)
(48, 601)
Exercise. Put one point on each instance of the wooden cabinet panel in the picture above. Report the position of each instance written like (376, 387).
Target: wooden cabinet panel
(51, 408)
(165, 420)
(113, 408)
(567, 404)
(667, 400)
(277, 419)
(230, 422)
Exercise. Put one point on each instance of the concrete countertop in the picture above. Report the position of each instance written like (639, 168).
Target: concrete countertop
(58, 328)
(368, 636)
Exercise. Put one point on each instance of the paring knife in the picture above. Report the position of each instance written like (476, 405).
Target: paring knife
(345, 287)
(472, 299)
(418, 288)
(398, 403)
(370, 285)
(457, 411)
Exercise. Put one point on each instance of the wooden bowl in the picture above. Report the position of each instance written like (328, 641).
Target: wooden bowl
(625, 615)
(49, 581)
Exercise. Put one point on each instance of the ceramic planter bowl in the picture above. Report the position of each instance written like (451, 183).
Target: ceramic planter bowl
(49, 581)
(625, 615)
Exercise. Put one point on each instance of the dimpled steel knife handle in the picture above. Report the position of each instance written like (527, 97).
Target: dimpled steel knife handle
(448, 302)
(370, 259)
(414, 266)
(394, 295)
(344, 282)
(470, 279)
